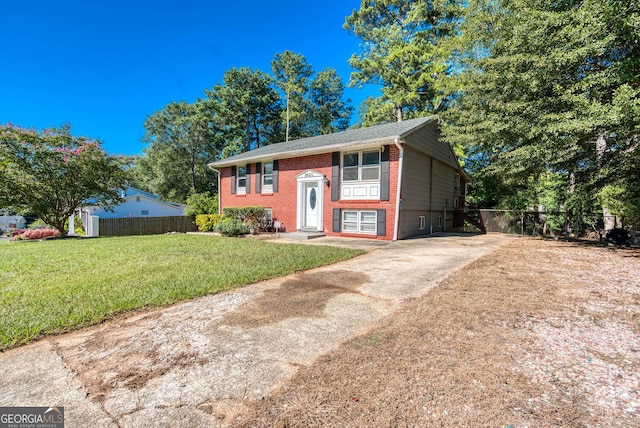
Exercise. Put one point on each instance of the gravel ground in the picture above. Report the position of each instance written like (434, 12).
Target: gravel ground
(538, 333)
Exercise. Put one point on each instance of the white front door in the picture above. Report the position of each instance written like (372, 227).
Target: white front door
(311, 206)
(310, 195)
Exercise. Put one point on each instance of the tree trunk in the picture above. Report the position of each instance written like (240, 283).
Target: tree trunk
(247, 133)
(287, 132)
(568, 215)
(399, 113)
(608, 218)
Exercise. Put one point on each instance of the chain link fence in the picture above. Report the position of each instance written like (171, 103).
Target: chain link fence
(547, 223)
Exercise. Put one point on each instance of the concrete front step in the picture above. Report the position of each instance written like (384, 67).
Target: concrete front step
(301, 235)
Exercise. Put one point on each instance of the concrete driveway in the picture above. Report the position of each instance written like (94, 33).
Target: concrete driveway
(193, 364)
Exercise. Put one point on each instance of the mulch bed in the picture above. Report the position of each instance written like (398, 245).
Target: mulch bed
(537, 333)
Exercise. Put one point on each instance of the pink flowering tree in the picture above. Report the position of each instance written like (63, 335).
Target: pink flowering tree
(51, 173)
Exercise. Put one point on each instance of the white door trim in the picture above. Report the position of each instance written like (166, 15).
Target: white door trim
(310, 176)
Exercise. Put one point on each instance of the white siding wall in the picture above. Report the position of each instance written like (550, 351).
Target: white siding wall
(133, 208)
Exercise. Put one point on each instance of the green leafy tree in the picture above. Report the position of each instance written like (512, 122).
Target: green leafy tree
(201, 203)
(182, 140)
(291, 73)
(404, 50)
(51, 173)
(375, 111)
(331, 111)
(246, 108)
(549, 87)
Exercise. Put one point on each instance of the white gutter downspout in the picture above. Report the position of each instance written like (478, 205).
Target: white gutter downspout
(398, 190)
(218, 171)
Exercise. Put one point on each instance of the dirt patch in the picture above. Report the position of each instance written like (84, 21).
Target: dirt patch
(304, 296)
(125, 354)
(538, 333)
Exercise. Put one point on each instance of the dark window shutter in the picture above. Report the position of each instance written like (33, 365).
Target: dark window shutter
(233, 180)
(248, 178)
(336, 219)
(258, 175)
(382, 223)
(335, 176)
(384, 174)
(275, 176)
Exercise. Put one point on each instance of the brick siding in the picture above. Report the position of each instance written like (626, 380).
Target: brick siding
(284, 202)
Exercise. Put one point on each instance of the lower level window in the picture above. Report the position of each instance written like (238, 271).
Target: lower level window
(359, 221)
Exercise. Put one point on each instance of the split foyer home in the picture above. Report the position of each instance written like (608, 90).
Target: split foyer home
(391, 181)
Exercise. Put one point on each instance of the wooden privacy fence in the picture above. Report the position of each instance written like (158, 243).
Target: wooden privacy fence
(145, 225)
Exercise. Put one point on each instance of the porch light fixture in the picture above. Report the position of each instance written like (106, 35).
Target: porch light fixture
(326, 181)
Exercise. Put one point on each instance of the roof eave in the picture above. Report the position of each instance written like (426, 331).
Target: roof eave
(302, 152)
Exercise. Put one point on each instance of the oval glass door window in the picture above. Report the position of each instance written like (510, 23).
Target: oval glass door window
(312, 199)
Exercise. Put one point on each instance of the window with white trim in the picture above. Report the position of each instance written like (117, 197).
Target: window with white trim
(423, 222)
(241, 186)
(361, 166)
(354, 221)
(267, 177)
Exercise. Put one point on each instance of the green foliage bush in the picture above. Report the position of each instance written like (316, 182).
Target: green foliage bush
(201, 203)
(249, 215)
(230, 226)
(207, 222)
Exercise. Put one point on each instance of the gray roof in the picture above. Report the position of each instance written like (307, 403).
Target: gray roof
(322, 143)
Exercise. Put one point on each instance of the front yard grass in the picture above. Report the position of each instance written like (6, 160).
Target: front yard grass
(54, 286)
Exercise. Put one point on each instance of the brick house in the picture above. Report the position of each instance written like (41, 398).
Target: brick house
(390, 181)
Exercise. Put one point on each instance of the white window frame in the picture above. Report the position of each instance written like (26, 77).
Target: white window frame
(360, 224)
(422, 222)
(267, 188)
(241, 190)
(360, 166)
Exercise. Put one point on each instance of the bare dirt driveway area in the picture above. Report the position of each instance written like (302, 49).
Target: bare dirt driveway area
(537, 333)
(206, 362)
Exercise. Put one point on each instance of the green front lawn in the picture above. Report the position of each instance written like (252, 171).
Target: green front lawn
(53, 286)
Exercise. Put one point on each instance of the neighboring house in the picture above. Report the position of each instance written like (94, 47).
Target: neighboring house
(391, 181)
(138, 203)
(12, 222)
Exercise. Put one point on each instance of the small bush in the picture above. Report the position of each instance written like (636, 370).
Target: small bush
(201, 203)
(15, 232)
(249, 215)
(230, 226)
(207, 222)
(34, 234)
(36, 224)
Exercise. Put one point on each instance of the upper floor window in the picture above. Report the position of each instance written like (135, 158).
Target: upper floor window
(361, 166)
(267, 177)
(242, 179)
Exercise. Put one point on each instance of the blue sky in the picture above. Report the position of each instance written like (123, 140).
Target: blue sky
(104, 65)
